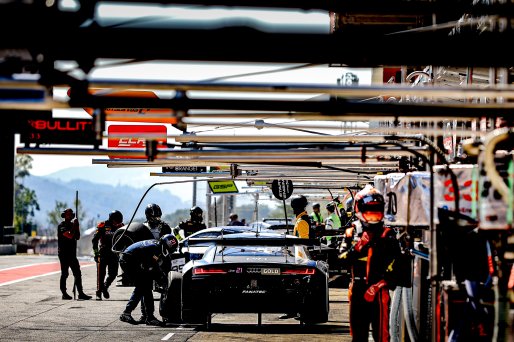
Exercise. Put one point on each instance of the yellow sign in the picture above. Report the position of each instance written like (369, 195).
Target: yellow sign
(223, 187)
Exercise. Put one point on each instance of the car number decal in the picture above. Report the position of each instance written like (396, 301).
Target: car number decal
(178, 264)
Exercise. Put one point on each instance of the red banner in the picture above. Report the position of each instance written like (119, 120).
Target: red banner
(132, 141)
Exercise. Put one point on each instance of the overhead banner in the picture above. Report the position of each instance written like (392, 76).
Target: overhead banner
(223, 187)
(159, 133)
(152, 115)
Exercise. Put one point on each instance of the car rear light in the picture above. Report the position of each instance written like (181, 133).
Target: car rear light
(208, 270)
(300, 271)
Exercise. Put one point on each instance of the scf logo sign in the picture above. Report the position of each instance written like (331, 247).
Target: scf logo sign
(130, 142)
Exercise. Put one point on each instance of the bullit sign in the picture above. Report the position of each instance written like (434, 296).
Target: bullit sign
(58, 131)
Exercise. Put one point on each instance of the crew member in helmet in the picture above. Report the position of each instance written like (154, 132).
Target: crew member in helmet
(195, 222)
(372, 259)
(144, 262)
(302, 227)
(157, 226)
(106, 259)
(68, 232)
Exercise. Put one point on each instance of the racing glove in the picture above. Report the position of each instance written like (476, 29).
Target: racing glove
(97, 255)
(343, 255)
(370, 294)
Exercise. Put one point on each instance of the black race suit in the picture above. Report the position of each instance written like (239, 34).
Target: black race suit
(158, 228)
(67, 236)
(142, 263)
(372, 259)
(107, 260)
(189, 227)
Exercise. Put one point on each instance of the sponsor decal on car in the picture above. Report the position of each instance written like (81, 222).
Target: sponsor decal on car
(254, 291)
(270, 271)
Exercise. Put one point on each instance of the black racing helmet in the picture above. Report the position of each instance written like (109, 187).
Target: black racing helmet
(299, 202)
(369, 205)
(169, 244)
(66, 211)
(116, 216)
(153, 212)
(196, 214)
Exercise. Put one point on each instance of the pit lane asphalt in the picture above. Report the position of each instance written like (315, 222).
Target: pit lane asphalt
(32, 310)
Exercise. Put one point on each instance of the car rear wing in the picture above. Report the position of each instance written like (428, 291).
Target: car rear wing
(255, 241)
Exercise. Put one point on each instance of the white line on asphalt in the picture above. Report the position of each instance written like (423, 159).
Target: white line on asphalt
(167, 337)
(33, 277)
(39, 263)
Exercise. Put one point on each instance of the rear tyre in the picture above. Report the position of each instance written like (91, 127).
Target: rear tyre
(171, 300)
(196, 317)
(316, 308)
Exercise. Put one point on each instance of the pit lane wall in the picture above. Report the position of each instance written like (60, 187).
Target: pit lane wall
(46, 245)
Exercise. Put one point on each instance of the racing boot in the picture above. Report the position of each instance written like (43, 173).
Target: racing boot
(62, 286)
(66, 296)
(105, 292)
(98, 295)
(127, 317)
(153, 321)
(84, 296)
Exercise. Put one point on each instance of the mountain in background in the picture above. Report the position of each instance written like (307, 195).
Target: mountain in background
(137, 177)
(102, 190)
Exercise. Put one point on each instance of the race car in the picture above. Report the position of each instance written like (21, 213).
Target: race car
(137, 231)
(250, 273)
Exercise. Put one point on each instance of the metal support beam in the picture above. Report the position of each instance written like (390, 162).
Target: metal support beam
(7, 184)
